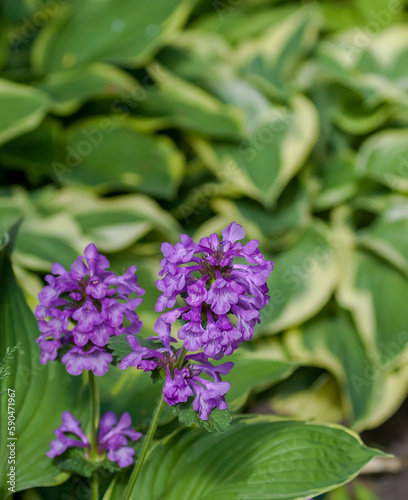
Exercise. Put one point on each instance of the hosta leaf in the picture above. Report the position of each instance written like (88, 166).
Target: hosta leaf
(338, 181)
(45, 240)
(387, 236)
(302, 281)
(68, 90)
(308, 394)
(42, 392)
(127, 32)
(262, 166)
(114, 224)
(238, 25)
(271, 59)
(334, 344)
(23, 109)
(34, 151)
(189, 107)
(365, 285)
(111, 153)
(383, 157)
(268, 226)
(255, 456)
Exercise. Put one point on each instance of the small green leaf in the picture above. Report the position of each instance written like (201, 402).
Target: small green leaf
(119, 346)
(219, 420)
(73, 460)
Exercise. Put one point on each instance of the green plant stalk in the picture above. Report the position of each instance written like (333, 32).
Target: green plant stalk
(94, 422)
(145, 449)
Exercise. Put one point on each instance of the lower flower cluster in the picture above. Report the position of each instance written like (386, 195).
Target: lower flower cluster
(113, 438)
(184, 375)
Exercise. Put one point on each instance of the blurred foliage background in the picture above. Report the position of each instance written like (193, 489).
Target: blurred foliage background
(125, 123)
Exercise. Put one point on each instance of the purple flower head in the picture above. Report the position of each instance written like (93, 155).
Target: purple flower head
(183, 375)
(113, 440)
(114, 436)
(216, 288)
(187, 382)
(82, 308)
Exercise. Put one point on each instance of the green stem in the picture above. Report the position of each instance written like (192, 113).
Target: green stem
(182, 355)
(94, 423)
(145, 449)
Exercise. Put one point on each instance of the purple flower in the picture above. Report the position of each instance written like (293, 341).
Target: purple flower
(215, 287)
(183, 378)
(187, 382)
(113, 439)
(71, 426)
(81, 309)
(114, 435)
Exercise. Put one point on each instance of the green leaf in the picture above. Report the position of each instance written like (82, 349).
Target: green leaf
(119, 346)
(129, 33)
(150, 163)
(276, 226)
(115, 223)
(45, 240)
(219, 420)
(189, 107)
(383, 158)
(387, 235)
(68, 90)
(256, 456)
(23, 109)
(334, 344)
(302, 281)
(271, 59)
(275, 150)
(42, 392)
(365, 285)
(338, 181)
(253, 371)
(34, 151)
(73, 460)
(308, 394)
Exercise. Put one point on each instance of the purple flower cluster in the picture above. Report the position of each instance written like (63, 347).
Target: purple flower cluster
(81, 309)
(113, 438)
(183, 382)
(215, 288)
